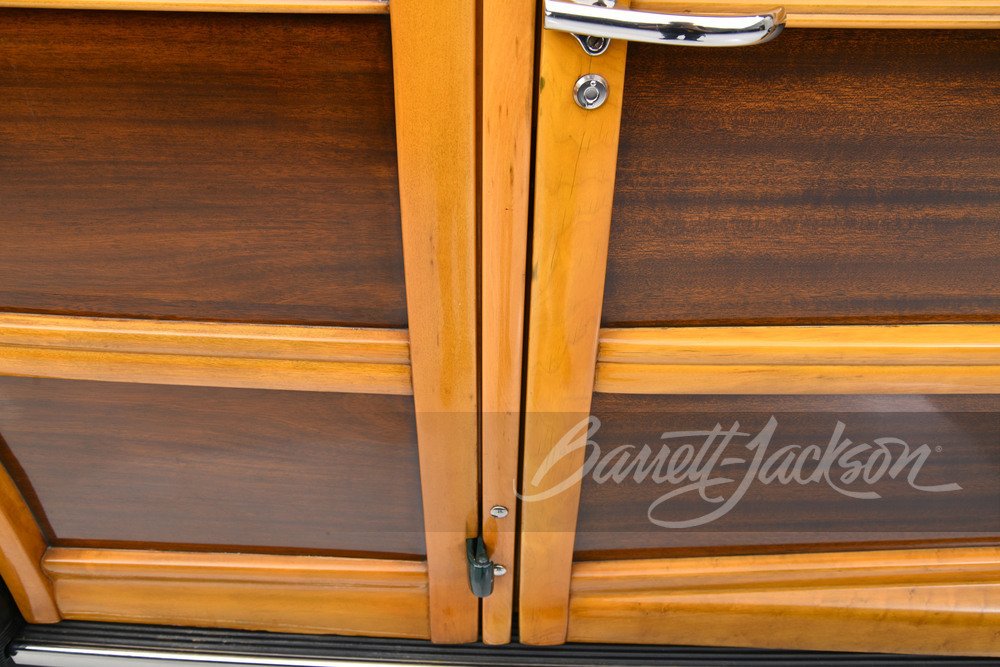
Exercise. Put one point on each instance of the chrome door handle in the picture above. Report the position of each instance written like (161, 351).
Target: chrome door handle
(599, 19)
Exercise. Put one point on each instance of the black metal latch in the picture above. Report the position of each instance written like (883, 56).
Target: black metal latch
(481, 568)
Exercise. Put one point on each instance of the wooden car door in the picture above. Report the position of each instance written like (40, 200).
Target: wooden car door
(763, 349)
(238, 346)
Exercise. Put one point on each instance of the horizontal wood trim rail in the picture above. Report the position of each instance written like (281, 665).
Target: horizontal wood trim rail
(351, 596)
(937, 601)
(847, 14)
(262, 6)
(259, 356)
(934, 359)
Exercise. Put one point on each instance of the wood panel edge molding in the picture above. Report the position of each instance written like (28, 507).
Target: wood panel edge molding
(23, 546)
(904, 344)
(435, 73)
(798, 379)
(306, 594)
(507, 109)
(906, 359)
(246, 6)
(904, 14)
(572, 218)
(257, 356)
(933, 601)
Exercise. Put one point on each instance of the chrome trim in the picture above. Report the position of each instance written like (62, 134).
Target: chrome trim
(655, 28)
(590, 91)
(59, 656)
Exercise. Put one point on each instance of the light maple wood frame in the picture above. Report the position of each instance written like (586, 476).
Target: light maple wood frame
(254, 356)
(435, 360)
(809, 14)
(435, 72)
(923, 601)
(508, 51)
(936, 595)
(851, 13)
(909, 359)
(258, 6)
(317, 595)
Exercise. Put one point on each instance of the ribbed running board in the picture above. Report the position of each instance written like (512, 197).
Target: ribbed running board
(76, 644)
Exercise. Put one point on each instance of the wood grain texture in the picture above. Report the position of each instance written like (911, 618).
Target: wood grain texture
(347, 596)
(933, 345)
(961, 433)
(176, 166)
(795, 379)
(942, 602)
(208, 354)
(434, 56)
(290, 472)
(851, 13)
(507, 108)
(22, 545)
(827, 177)
(910, 359)
(574, 177)
(270, 6)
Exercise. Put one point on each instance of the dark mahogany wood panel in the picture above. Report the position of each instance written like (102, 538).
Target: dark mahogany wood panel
(962, 434)
(202, 166)
(828, 176)
(281, 471)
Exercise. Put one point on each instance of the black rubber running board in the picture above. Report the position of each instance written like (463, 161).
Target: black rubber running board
(78, 644)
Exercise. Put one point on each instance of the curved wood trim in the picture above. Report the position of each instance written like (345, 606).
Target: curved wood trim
(206, 354)
(23, 546)
(852, 14)
(934, 601)
(912, 359)
(263, 6)
(351, 596)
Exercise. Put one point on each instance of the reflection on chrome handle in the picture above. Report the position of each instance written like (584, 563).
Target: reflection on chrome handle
(600, 20)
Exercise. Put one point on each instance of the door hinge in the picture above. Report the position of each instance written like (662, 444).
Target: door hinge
(482, 570)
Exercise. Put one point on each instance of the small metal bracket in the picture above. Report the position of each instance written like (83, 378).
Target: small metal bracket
(481, 568)
(594, 46)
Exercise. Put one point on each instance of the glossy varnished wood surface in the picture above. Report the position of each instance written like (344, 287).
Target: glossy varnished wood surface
(345, 596)
(272, 471)
(206, 354)
(963, 432)
(270, 6)
(574, 172)
(199, 166)
(933, 601)
(851, 359)
(850, 13)
(828, 176)
(508, 51)
(435, 65)
(22, 546)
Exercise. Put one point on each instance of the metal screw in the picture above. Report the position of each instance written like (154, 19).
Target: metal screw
(498, 511)
(499, 570)
(592, 46)
(590, 91)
